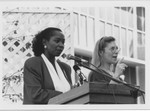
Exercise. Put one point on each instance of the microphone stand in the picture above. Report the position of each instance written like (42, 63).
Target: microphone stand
(118, 81)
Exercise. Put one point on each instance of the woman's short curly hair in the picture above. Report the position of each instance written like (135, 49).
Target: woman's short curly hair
(37, 43)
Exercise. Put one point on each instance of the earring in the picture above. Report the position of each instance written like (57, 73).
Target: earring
(45, 46)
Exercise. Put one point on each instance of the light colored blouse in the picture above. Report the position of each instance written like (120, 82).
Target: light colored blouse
(58, 78)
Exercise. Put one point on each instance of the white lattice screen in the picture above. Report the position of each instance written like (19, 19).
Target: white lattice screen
(19, 27)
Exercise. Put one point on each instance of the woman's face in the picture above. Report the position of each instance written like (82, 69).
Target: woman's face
(110, 53)
(55, 45)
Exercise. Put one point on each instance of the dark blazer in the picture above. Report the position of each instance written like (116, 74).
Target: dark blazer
(98, 77)
(38, 85)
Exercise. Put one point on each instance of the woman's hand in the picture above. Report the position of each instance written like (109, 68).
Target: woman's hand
(120, 67)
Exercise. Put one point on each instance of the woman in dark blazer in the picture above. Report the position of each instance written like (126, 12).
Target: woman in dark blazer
(44, 76)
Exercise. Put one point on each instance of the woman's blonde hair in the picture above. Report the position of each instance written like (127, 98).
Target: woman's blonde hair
(100, 46)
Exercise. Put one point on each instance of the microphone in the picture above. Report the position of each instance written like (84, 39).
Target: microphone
(82, 78)
(70, 57)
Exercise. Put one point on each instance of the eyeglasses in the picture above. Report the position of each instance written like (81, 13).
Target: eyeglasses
(115, 49)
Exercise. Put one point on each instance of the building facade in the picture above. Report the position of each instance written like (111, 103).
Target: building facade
(82, 27)
(126, 24)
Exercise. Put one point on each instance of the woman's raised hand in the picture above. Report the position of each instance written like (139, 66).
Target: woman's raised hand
(120, 67)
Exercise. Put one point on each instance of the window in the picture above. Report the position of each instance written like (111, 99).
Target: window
(130, 17)
(90, 32)
(108, 29)
(117, 35)
(117, 15)
(124, 42)
(130, 43)
(76, 29)
(141, 18)
(83, 26)
(102, 28)
(124, 16)
(110, 14)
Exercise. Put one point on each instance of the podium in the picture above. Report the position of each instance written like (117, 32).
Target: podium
(97, 93)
